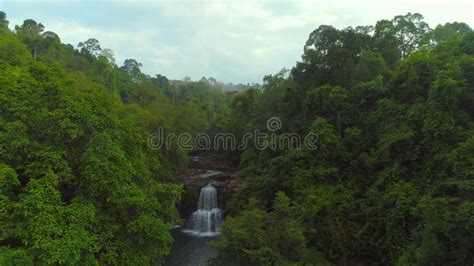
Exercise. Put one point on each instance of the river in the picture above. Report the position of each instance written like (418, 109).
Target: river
(190, 246)
(189, 249)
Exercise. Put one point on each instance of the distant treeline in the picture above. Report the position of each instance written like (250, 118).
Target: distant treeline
(392, 182)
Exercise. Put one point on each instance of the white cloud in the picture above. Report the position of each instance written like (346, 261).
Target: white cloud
(234, 41)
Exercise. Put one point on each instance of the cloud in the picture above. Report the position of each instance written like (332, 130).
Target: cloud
(233, 41)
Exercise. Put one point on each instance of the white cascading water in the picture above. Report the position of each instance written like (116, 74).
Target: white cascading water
(207, 219)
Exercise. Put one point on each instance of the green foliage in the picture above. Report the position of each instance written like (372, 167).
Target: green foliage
(467, 44)
(275, 238)
(389, 183)
(449, 31)
(12, 51)
(79, 184)
(370, 66)
(391, 180)
(3, 20)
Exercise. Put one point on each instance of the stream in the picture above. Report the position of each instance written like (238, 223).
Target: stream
(190, 246)
(189, 249)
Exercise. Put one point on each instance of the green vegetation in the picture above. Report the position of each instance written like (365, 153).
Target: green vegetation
(392, 180)
(78, 183)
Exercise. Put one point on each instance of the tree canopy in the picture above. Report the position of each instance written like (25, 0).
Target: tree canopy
(390, 182)
(79, 183)
(392, 179)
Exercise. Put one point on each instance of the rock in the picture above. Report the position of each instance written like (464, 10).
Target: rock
(219, 184)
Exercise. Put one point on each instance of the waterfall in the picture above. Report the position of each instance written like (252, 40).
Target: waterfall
(206, 220)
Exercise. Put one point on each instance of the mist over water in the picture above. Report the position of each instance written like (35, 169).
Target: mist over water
(206, 220)
(191, 245)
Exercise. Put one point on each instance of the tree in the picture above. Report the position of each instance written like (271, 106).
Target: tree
(409, 31)
(369, 66)
(467, 44)
(132, 68)
(161, 81)
(11, 50)
(264, 238)
(449, 31)
(30, 33)
(78, 182)
(50, 34)
(3, 20)
(90, 46)
(109, 55)
(330, 56)
(389, 182)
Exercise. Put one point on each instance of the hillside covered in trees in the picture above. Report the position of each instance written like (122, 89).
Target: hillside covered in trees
(79, 184)
(392, 180)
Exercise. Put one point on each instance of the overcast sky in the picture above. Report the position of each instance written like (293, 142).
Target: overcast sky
(232, 41)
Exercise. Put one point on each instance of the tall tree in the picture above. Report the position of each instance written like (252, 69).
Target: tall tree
(30, 33)
(91, 46)
(132, 68)
(3, 20)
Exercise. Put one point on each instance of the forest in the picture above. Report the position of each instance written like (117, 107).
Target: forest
(391, 183)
